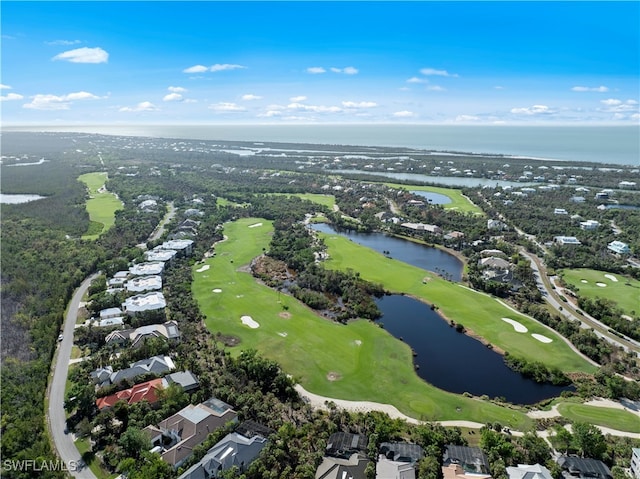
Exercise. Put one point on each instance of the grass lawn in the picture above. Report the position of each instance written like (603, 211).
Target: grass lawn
(327, 200)
(601, 416)
(478, 312)
(625, 292)
(368, 362)
(101, 207)
(93, 463)
(459, 202)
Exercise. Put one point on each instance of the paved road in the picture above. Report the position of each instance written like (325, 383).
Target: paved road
(160, 228)
(56, 414)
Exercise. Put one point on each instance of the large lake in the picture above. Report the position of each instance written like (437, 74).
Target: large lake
(454, 361)
(425, 257)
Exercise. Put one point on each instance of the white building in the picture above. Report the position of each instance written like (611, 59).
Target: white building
(140, 284)
(619, 247)
(160, 255)
(147, 269)
(144, 302)
(635, 462)
(567, 240)
(560, 211)
(589, 225)
(525, 471)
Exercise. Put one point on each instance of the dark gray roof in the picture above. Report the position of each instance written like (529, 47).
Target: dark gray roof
(343, 444)
(402, 451)
(584, 467)
(186, 379)
(335, 468)
(252, 428)
(233, 450)
(472, 459)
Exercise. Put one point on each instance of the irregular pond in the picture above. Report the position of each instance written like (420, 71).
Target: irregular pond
(421, 256)
(433, 198)
(453, 361)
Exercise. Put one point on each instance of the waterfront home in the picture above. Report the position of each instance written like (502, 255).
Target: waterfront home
(471, 459)
(397, 460)
(583, 468)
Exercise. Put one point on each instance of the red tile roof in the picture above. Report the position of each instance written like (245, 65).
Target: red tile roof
(144, 391)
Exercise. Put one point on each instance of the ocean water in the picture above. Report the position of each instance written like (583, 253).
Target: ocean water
(601, 144)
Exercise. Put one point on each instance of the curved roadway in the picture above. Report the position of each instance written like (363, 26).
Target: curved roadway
(57, 416)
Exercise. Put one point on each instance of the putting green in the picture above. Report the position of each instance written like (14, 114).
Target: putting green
(101, 205)
(625, 292)
(359, 361)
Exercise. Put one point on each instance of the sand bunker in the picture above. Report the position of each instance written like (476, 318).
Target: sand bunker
(249, 321)
(520, 328)
(541, 338)
(611, 277)
(584, 281)
(358, 342)
(284, 335)
(217, 290)
(255, 225)
(602, 285)
(333, 376)
(203, 268)
(285, 315)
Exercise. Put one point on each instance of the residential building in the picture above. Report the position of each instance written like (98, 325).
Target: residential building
(176, 437)
(619, 247)
(525, 471)
(589, 225)
(583, 468)
(471, 459)
(185, 379)
(233, 450)
(147, 269)
(111, 313)
(340, 468)
(140, 284)
(155, 364)
(493, 252)
(578, 199)
(110, 322)
(136, 337)
(603, 195)
(494, 263)
(164, 255)
(567, 240)
(397, 460)
(152, 301)
(423, 227)
(456, 471)
(635, 462)
(496, 225)
(560, 211)
(343, 444)
(147, 391)
(627, 184)
(184, 247)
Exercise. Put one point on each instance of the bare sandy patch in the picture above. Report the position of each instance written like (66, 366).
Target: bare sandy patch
(283, 334)
(285, 315)
(602, 285)
(627, 317)
(217, 290)
(541, 338)
(203, 268)
(249, 321)
(519, 327)
(611, 277)
(255, 225)
(584, 281)
(334, 376)
(357, 342)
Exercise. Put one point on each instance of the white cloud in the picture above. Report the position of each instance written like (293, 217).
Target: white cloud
(635, 116)
(361, 104)
(297, 99)
(498, 87)
(57, 102)
(11, 96)
(314, 108)
(618, 106)
(218, 67)
(434, 72)
(84, 55)
(270, 114)
(5, 87)
(196, 69)
(226, 107)
(63, 42)
(611, 102)
(464, 118)
(436, 88)
(404, 114)
(249, 97)
(601, 89)
(142, 106)
(345, 70)
(316, 70)
(532, 110)
(172, 97)
(417, 80)
(177, 89)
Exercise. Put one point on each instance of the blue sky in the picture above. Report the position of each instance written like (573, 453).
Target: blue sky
(320, 62)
